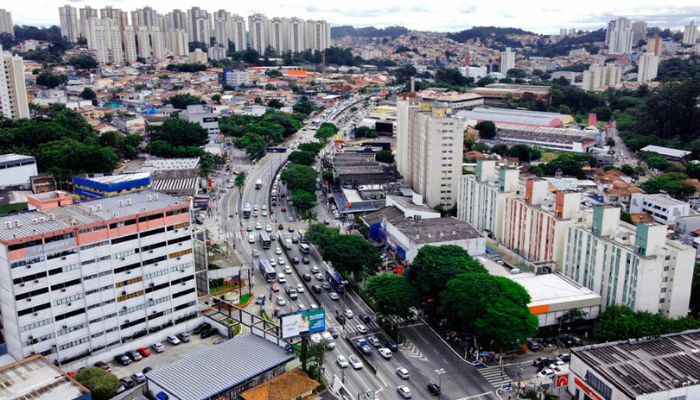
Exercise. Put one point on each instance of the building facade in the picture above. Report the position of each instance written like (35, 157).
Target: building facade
(6, 23)
(690, 33)
(663, 208)
(13, 91)
(618, 36)
(86, 278)
(70, 24)
(599, 76)
(507, 60)
(199, 25)
(648, 67)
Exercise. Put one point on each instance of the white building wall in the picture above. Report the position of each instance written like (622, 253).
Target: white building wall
(130, 50)
(13, 91)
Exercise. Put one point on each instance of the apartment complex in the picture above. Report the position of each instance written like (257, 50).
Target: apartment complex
(599, 76)
(428, 132)
(627, 265)
(619, 36)
(655, 45)
(507, 60)
(662, 207)
(69, 22)
(79, 279)
(690, 33)
(648, 67)
(13, 91)
(6, 23)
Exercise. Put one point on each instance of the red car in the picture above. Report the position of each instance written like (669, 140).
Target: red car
(103, 365)
(284, 209)
(275, 287)
(144, 351)
(256, 214)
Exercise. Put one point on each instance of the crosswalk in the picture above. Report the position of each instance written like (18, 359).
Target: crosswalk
(410, 350)
(494, 377)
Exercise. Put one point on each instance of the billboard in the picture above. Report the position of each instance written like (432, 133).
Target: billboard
(303, 323)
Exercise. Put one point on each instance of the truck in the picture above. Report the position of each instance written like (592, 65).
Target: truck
(258, 184)
(288, 244)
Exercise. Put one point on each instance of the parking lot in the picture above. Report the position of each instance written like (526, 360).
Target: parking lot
(156, 360)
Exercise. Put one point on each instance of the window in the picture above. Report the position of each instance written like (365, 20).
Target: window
(177, 211)
(35, 325)
(28, 261)
(74, 343)
(59, 237)
(68, 299)
(121, 224)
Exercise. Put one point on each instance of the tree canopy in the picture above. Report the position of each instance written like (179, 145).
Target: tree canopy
(179, 132)
(83, 62)
(304, 106)
(392, 294)
(487, 129)
(299, 177)
(302, 157)
(181, 101)
(352, 255)
(622, 323)
(303, 200)
(672, 183)
(326, 131)
(384, 156)
(102, 384)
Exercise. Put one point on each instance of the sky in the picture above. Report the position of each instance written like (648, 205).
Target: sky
(539, 16)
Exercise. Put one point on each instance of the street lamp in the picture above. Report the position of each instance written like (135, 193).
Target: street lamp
(439, 372)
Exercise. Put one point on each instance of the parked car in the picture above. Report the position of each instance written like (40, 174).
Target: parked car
(202, 327)
(541, 361)
(158, 347)
(209, 333)
(434, 389)
(184, 337)
(545, 373)
(173, 340)
(122, 359)
(104, 366)
(564, 357)
(402, 373)
(144, 351)
(127, 383)
(138, 377)
(133, 355)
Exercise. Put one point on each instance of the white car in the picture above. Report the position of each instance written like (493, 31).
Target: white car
(258, 226)
(287, 269)
(280, 260)
(404, 391)
(281, 279)
(264, 213)
(355, 362)
(342, 361)
(273, 263)
(556, 364)
(316, 338)
(173, 340)
(361, 328)
(281, 301)
(268, 228)
(545, 373)
(334, 296)
(386, 353)
(300, 288)
(158, 347)
(319, 276)
(255, 207)
(278, 251)
(264, 206)
(348, 313)
(402, 373)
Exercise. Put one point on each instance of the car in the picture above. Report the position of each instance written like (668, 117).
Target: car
(158, 347)
(391, 345)
(319, 276)
(229, 186)
(127, 383)
(291, 228)
(249, 228)
(256, 253)
(202, 327)
(280, 260)
(133, 355)
(564, 357)
(268, 228)
(402, 373)
(273, 237)
(366, 318)
(144, 351)
(305, 260)
(255, 207)
(404, 391)
(264, 206)
(280, 227)
(326, 285)
(209, 333)
(281, 301)
(291, 219)
(273, 263)
(555, 365)
(295, 260)
(325, 221)
(104, 366)
(355, 361)
(348, 313)
(138, 377)
(374, 341)
(175, 341)
(364, 347)
(278, 251)
(361, 328)
(342, 361)
(275, 287)
(306, 277)
(291, 292)
(334, 296)
(384, 352)
(340, 319)
(434, 389)
(122, 359)
(255, 214)
(264, 213)
(284, 209)
(300, 288)
(147, 370)
(541, 361)
(184, 337)
(302, 307)
(316, 288)
(545, 373)
(287, 269)
(281, 279)
(259, 299)
(334, 332)
(295, 239)
(314, 270)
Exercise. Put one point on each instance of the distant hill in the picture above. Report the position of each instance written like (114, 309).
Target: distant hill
(483, 33)
(370, 31)
(562, 47)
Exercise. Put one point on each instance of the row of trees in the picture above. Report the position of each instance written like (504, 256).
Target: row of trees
(255, 133)
(300, 178)
(354, 257)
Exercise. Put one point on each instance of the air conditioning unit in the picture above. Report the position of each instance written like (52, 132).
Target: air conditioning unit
(150, 251)
(29, 299)
(70, 304)
(30, 337)
(36, 314)
(184, 283)
(150, 299)
(21, 285)
(178, 258)
(126, 321)
(63, 258)
(128, 272)
(175, 231)
(156, 264)
(123, 258)
(32, 353)
(124, 308)
(63, 290)
(36, 281)
(124, 294)
(65, 326)
(29, 267)
(179, 244)
(152, 284)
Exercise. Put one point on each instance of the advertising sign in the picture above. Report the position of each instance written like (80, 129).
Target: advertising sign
(562, 380)
(303, 323)
(51, 247)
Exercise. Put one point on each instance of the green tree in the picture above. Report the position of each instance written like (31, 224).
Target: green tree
(68, 156)
(50, 80)
(303, 200)
(309, 216)
(302, 157)
(622, 323)
(321, 235)
(181, 101)
(384, 156)
(315, 355)
(672, 183)
(304, 106)
(658, 163)
(481, 147)
(239, 182)
(88, 94)
(352, 255)
(326, 131)
(276, 104)
(366, 132)
(695, 291)
(299, 177)
(216, 98)
(102, 384)
(179, 132)
(83, 62)
(487, 129)
(524, 153)
(392, 294)
(500, 149)
(274, 73)
(314, 147)
(434, 266)
(627, 170)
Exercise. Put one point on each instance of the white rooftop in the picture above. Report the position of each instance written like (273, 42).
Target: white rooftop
(37, 379)
(666, 151)
(167, 164)
(120, 178)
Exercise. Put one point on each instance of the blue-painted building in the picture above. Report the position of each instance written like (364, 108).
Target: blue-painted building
(95, 186)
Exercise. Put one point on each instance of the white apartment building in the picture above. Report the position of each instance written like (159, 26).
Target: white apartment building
(179, 43)
(69, 22)
(236, 78)
(120, 18)
(238, 32)
(639, 32)
(157, 43)
(507, 60)
(627, 265)
(6, 23)
(296, 35)
(86, 14)
(618, 36)
(144, 39)
(80, 280)
(216, 53)
(481, 197)
(117, 49)
(257, 32)
(690, 33)
(428, 132)
(648, 67)
(130, 49)
(13, 91)
(663, 208)
(600, 76)
(199, 25)
(277, 34)
(146, 16)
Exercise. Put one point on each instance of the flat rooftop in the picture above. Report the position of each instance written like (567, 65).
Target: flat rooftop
(666, 151)
(12, 158)
(111, 179)
(663, 200)
(172, 163)
(638, 367)
(37, 378)
(431, 230)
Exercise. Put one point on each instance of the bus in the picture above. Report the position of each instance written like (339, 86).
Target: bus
(265, 239)
(258, 184)
(336, 280)
(281, 149)
(267, 271)
(246, 210)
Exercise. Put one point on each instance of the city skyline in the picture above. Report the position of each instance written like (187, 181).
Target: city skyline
(539, 17)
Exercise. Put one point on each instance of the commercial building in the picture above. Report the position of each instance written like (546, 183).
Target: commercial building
(6, 25)
(36, 377)
(569, 140)
(637, 369)
(648, 67)
(601, 77)
(95, 186)
(517, 117)
(453, 100)
(481, 197)
(507, 60)
(235, 78)
(618, 36)
(202, 115)
(16, 170)
(631, 266)
(662, 207)
(690, 33)
(198, 56)
(69, 23)
(242, 363)
(13, 91)
(81, 280)
(428, 132)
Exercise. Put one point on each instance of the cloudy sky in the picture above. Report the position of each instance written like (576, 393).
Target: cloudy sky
(540, 16)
